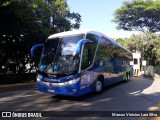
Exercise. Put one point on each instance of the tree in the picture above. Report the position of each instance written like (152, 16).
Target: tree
(17, 25)
(139, 15)
(152, 51)
(147, 44)
(24, 23)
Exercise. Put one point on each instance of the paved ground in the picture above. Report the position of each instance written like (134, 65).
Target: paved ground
(139, 94)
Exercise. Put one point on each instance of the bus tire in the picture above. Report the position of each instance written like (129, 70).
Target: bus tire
(129, 75)
(127, 78)
(99, 86)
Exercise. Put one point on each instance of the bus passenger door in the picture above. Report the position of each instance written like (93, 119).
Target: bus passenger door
(87, 56)
(88, 75)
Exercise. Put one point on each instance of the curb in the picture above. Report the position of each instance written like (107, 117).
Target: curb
(16, 86)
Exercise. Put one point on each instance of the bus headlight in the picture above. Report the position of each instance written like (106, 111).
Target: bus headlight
(72, 81)
(39, 78)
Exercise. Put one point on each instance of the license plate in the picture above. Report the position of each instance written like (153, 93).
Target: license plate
(51, 91)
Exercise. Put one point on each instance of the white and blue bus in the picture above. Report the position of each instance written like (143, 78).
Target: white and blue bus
(74, 63)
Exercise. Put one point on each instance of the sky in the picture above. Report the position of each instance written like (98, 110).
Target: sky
(97, 15)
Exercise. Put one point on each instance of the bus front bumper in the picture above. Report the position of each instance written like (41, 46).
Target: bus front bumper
(67, 90)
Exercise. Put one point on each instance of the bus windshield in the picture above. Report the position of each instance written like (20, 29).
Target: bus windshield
(58, 56)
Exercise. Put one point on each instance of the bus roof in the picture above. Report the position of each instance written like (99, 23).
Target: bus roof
(75, 32)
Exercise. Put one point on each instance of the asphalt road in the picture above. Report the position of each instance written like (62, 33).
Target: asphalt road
(139, 94)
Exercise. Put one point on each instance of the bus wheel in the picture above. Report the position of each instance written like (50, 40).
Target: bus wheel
(98, 86)
(127, 78)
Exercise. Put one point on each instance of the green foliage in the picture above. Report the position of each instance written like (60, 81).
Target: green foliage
(24, 23)
(147, 44)
(139, 15)
(152, 53)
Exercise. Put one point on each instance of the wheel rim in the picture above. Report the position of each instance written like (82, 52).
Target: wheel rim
(98, 86)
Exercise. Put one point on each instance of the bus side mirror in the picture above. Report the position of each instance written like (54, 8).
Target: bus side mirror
(80, 44)
(35, 47)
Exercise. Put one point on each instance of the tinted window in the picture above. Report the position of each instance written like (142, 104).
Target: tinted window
(103, 52)
(135, 61)
(92, 37)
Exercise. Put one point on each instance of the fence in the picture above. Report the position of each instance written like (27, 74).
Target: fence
(153, 71)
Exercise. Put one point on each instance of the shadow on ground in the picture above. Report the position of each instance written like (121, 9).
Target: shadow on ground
(139, 94)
